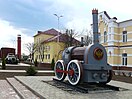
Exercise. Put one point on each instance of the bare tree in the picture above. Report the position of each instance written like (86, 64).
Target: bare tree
(70, 38)
(31, 48)
(87, 38)
(41, 49)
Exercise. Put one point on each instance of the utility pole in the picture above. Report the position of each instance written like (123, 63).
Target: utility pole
(58, 18)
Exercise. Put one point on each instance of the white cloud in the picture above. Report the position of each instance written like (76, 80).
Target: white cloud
(78, 10)
(77, 15)
(8, 37)
(78, 24)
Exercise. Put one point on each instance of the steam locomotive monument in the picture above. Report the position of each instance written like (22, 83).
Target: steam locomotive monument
(85, 64)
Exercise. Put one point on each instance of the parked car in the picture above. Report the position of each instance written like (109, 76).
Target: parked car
(11, 59)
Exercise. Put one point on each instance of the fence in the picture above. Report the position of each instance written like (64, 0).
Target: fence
(122, 70)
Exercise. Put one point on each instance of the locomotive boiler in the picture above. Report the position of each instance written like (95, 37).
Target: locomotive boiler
(85, 64)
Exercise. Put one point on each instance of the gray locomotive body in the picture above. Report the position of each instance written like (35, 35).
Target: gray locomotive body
(93, 68)
(85, 64)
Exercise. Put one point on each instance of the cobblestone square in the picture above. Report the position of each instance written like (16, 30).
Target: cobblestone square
(51, 92)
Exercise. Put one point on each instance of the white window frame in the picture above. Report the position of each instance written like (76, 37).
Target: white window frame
(109, 36)
(109, 29)
(105, 36)
(48, 56)
(124, 36)
(99, 37)
(124, 59)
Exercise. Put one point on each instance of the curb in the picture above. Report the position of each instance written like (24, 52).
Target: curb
(34, 92)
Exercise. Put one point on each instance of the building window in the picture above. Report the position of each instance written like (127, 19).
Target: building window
(48, 47)
(105, 36)
(39, 56)
(99, 30)
(45, 48)
(43, 56)
(99, 37)
(124, 29)
(36, 56)
(124, 36)
(104, 29)
(124, 59)
(109, 29)
(109, 36)
(48, 56)
(100, 17)
(39, 40)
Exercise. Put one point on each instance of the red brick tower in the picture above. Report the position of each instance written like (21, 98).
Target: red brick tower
(19, 46)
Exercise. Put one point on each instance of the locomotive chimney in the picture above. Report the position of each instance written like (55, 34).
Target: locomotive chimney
(19, 46)
(95, 26)
(82, 42)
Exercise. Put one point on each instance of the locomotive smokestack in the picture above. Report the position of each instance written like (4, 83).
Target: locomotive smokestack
(95, 26)
(82, 42)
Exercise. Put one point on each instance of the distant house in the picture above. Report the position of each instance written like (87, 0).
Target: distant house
(117, 39)
(50, 44)
(5, 50)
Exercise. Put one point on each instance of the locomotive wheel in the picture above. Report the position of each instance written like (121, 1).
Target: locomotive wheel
(59, 66)
(74, 69)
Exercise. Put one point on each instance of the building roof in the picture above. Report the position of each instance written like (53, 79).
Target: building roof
(48, 32)
(104, 12)
(125, 21)
(7, 48)
(107, 14)
(62, 38)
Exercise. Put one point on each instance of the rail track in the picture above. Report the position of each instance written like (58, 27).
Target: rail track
(83, 88)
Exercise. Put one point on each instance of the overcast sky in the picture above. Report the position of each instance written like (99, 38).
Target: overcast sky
(26, 17)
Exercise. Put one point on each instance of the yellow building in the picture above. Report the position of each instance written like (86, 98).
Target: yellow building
(117, 39)
(50, 45)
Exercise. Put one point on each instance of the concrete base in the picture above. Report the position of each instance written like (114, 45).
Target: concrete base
(47, 91)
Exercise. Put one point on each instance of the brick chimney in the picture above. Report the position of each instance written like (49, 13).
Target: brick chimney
(19, 46)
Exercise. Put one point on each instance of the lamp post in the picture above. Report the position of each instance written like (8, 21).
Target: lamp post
(58, 17)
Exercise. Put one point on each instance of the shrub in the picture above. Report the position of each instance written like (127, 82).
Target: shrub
(3, 63)
(53, 63)
(36, 62)
(31, 71)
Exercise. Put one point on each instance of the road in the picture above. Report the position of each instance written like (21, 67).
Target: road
(19, 64)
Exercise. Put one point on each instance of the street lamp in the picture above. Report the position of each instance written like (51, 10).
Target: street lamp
(58, 17)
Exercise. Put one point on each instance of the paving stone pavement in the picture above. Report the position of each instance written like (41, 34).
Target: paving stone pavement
(51, 92)
(39, 71)
(6, 91)
(21, 89)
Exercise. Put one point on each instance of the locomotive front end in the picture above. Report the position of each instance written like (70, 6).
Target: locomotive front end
(95, 66)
